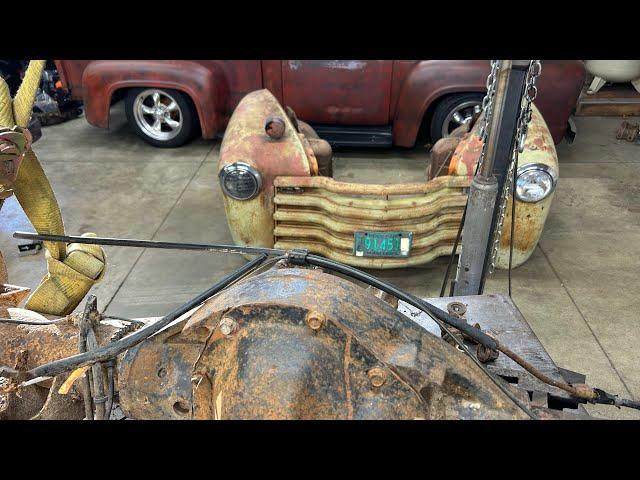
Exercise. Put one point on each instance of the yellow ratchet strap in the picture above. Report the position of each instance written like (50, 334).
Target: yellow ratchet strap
(71, 269)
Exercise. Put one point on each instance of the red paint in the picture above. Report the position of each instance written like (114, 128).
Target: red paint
(349, 92)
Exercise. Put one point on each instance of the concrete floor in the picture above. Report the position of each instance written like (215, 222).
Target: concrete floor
(579, 291)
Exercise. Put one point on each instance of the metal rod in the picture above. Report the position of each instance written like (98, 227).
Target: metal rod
(130, 242)
(85, 381)
(479, 225)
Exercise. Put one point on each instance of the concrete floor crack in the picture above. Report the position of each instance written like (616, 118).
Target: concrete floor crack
(584, 319)
(160, 224)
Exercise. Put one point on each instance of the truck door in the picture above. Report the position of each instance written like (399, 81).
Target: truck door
(338, 92)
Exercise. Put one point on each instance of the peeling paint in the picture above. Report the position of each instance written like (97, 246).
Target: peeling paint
(334, 109)
(346, 64)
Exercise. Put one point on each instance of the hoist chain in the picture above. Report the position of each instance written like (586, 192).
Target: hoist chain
(528, 96)
(487, 108)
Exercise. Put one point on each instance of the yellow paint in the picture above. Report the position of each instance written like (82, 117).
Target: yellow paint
(71, 379)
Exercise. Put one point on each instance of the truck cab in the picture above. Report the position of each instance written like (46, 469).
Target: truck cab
(348, 102)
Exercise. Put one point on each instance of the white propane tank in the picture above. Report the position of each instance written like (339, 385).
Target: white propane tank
(616, 71)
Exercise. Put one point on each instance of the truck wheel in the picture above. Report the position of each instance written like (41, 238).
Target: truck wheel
(453, 111)
(162, 117)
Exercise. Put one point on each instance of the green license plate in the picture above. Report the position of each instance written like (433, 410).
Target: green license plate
(382, 244)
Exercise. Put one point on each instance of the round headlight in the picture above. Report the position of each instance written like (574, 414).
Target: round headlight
(534, 182)
(240, 181)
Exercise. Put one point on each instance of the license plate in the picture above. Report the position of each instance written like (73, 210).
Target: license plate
(382, 244)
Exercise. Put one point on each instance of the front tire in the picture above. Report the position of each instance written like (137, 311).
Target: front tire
(453, 111)
(164, 118)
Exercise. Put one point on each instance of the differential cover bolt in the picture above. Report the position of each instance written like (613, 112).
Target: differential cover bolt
(227, 326)
(315, 320)
(377, 376)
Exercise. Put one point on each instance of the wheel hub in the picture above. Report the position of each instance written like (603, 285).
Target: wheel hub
(157, 114)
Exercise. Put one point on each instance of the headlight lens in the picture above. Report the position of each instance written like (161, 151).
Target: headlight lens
(534, 182)
(240, 181)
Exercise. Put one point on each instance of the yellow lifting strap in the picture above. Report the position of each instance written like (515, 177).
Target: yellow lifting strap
(71, 269)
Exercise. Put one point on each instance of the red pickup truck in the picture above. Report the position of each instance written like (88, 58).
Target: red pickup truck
(348, 102)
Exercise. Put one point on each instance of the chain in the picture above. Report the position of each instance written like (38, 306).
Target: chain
(487, 108)
(487, 112)
(528, 96)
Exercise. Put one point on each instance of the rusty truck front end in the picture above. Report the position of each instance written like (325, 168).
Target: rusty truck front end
(274, 196)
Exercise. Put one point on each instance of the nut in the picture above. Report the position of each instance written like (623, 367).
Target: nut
(485, 354)
(457, 308)
(274, 127)
(227, 326)
(315, 320)
(377, 376)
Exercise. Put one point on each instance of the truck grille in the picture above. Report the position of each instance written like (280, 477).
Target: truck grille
(321, 215)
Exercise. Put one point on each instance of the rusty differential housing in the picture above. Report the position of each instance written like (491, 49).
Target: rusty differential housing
(296, 343)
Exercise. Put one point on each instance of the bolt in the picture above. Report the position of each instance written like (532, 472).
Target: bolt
(274, 127)
(227, 326)
(377, 376)
(315, 320)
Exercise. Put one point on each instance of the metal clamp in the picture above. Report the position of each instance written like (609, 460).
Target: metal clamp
(297, 256)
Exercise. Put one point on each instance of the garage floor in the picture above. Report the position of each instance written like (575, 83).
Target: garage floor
(579, 291)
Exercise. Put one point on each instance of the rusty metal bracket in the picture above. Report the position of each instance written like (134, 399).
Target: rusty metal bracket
(628, 131)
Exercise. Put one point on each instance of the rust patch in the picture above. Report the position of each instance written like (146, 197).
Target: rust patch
(11, 296)
(347, 361)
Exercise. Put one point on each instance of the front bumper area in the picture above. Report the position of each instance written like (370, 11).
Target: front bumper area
(322, 215)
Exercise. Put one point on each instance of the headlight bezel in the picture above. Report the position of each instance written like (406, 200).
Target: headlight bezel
(537, 167)
(242, 167)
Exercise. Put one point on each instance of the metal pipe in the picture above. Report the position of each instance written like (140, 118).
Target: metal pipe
(479, 225)
(506, 138)
(476, 234)
(128, 242)
(108, 407)
(486, 169)
(85, 382)
(476, 231)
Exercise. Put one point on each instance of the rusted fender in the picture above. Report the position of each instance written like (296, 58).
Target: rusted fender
(245, 140)
(530, 217)
(207, 86)
(431, 80)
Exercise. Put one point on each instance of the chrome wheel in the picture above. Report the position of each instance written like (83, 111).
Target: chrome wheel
(460, 115)
(157, 114)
